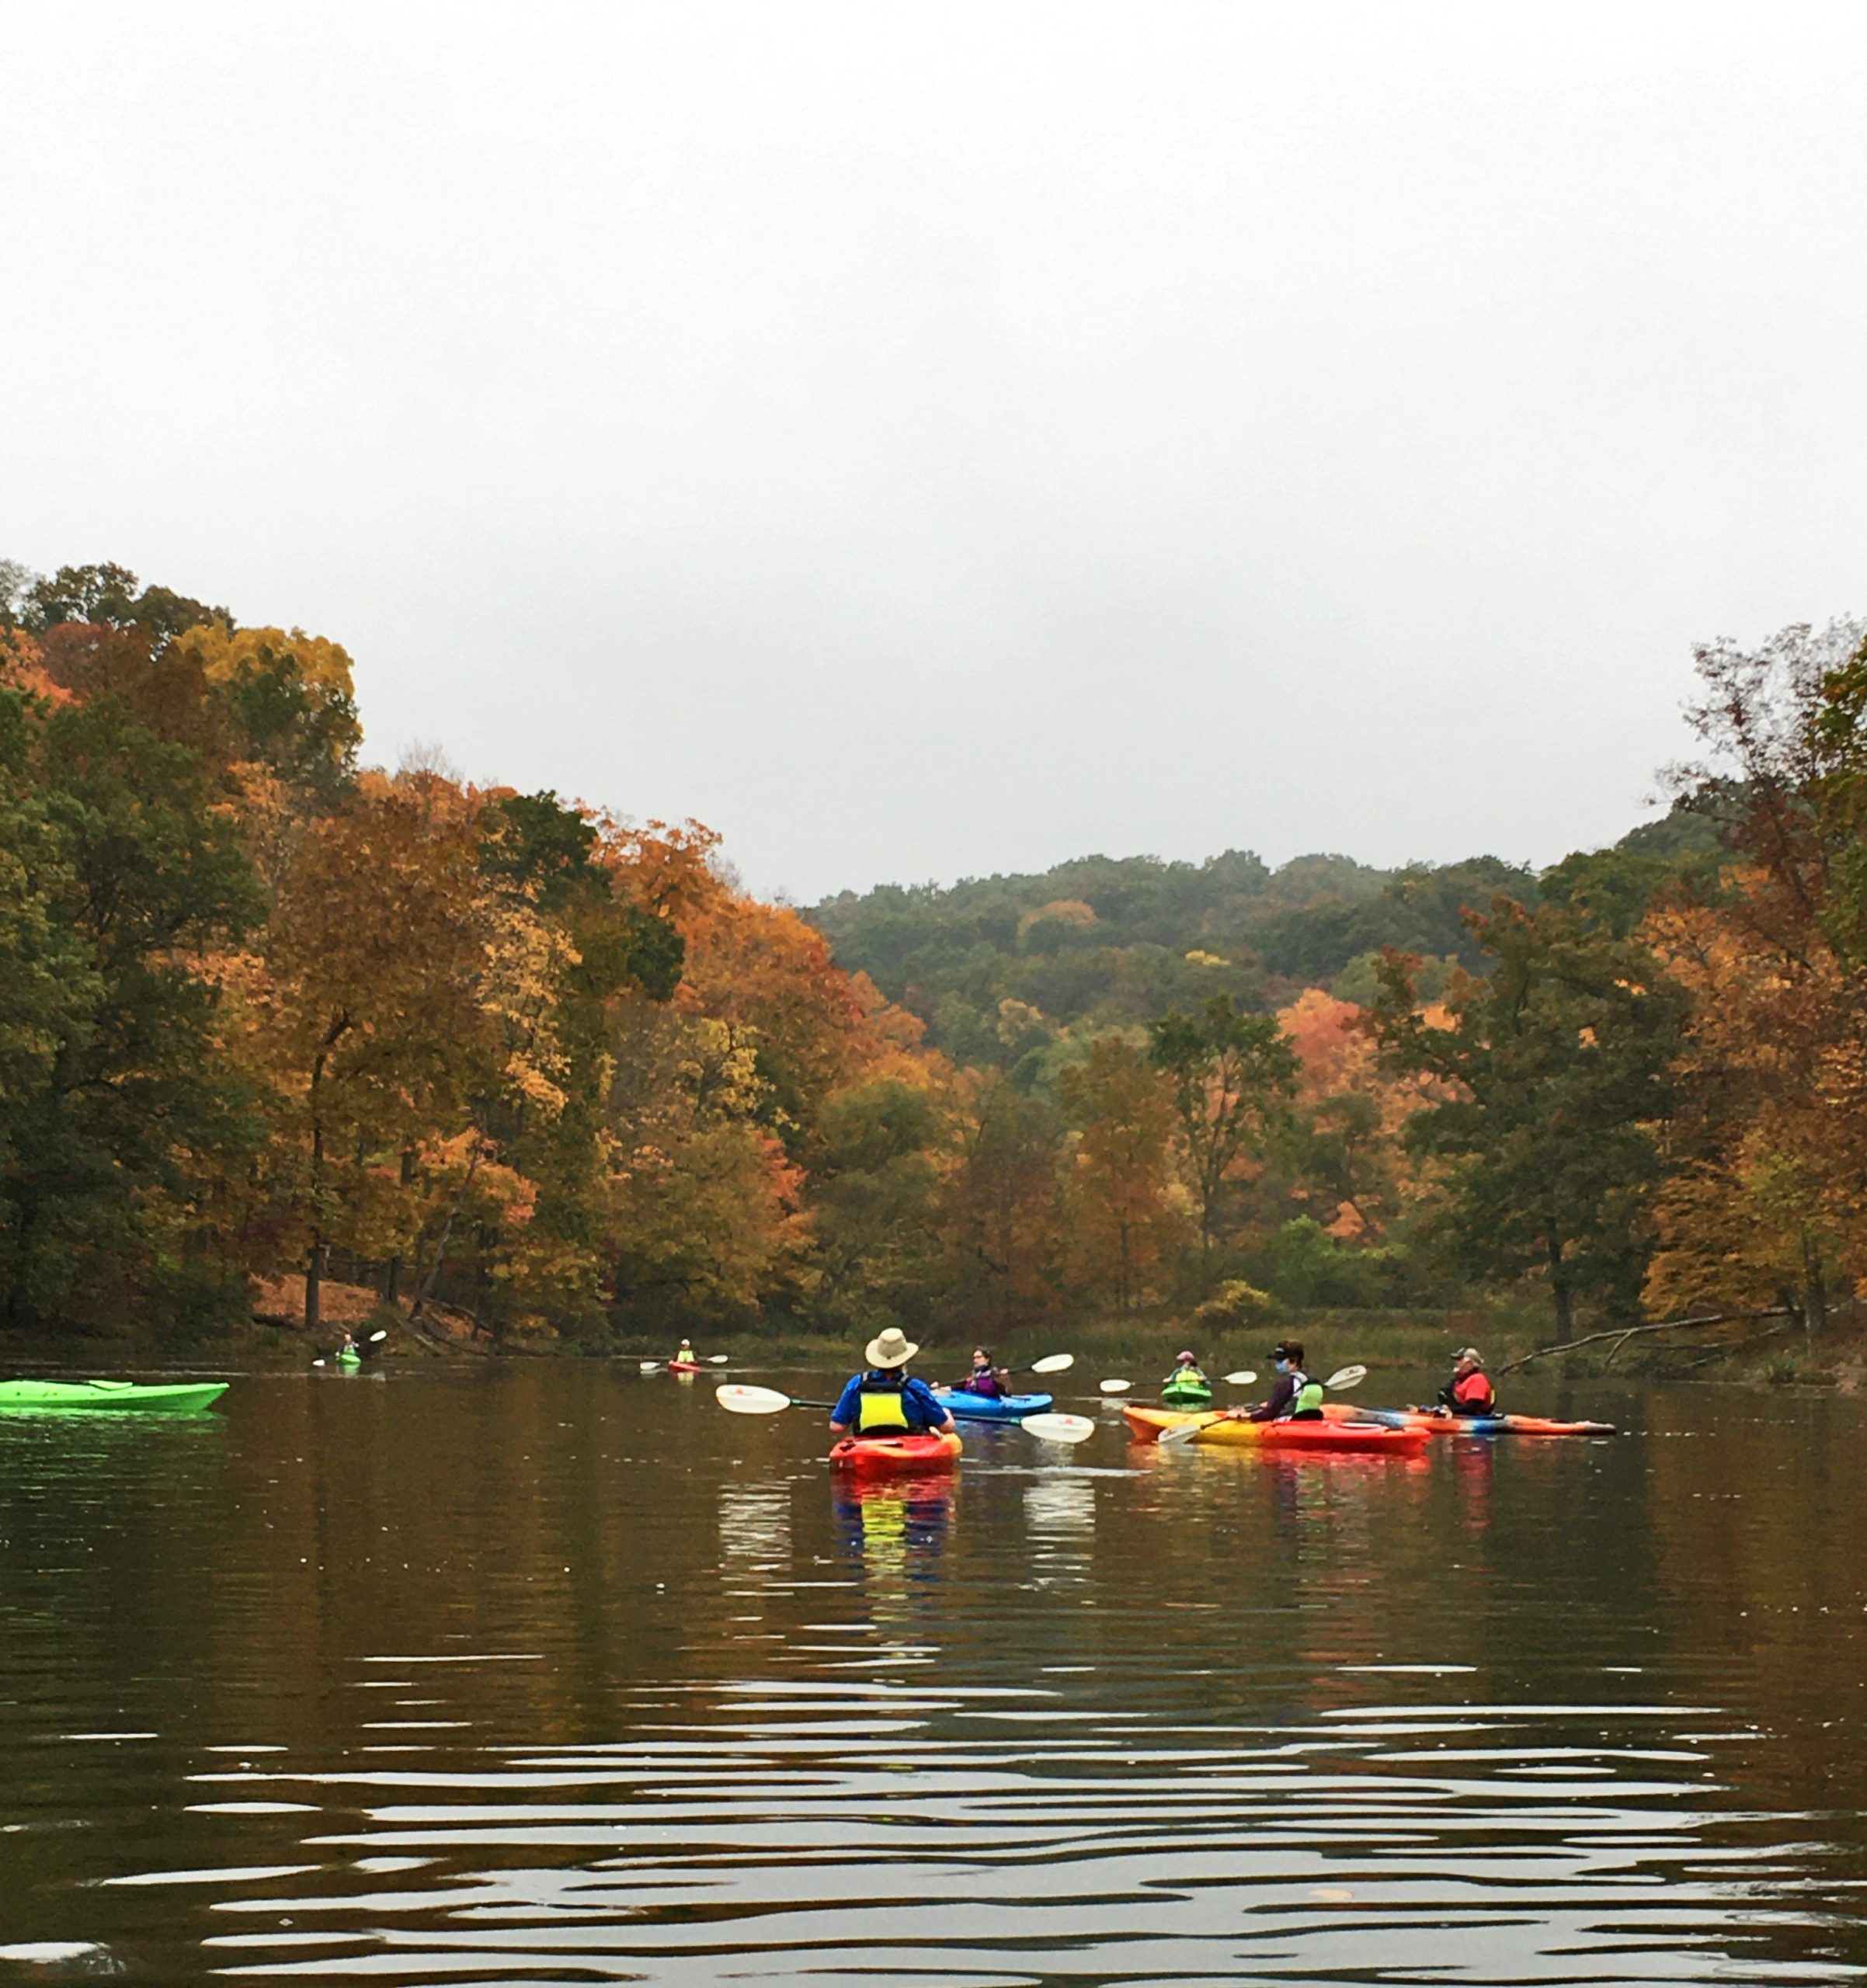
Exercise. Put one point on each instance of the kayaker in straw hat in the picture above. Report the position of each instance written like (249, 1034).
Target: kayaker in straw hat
(1470, 1391)
(887, 1400)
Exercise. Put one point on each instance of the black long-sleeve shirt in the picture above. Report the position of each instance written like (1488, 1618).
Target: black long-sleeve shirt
(1276, 1403)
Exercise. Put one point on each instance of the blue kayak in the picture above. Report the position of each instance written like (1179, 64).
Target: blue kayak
(964, 1407)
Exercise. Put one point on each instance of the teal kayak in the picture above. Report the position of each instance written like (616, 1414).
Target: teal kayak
(181, 1395)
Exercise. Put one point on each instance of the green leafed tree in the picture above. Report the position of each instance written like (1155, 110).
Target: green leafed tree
(1556, 1071)
(1232, 1076)
(122, 875)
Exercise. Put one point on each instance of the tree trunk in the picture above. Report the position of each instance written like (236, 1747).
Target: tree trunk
(1559, 1292)
(314, 1268)
(440, 1248)
(1815, 1287)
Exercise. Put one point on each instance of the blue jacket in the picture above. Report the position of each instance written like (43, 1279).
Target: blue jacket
(919, 1403)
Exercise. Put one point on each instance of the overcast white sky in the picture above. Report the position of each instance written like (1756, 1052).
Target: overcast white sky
(921, 441)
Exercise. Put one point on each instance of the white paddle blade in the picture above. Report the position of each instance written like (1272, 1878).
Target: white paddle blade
(1346, 1377)
(381, 1333)
(1242, 1379)
(1058, 1428)
(718, 1359)
(317, 1363)
(1116, 1387)
(1184, 1432)
(1056, 1363)
(650, 1366)
(750, 1401)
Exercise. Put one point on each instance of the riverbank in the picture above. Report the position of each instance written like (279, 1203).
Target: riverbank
(1139, 1348)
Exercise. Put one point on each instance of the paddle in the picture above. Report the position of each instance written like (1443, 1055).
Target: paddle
(1339, 1382)
(1051, 1363)
(742, 1400)
(737, 1399)
(375, 1339)
(1242, 1379)
(718, 1359)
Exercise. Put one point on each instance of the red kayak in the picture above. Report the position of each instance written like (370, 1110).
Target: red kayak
(1430, 1424)
(1324, 1438)
(875, 1455)
(685, 1367)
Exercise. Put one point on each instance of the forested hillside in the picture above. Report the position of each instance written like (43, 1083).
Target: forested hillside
(265, 1012)
(1106, 941)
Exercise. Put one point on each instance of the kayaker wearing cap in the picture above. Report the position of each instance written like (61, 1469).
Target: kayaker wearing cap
(1294, 1397)
(1470, 1391)
(1185, 1374)
(887, 1400)
(687, 1355)
(985, 1380)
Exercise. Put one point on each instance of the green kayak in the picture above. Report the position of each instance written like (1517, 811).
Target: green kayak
(1187, 1397)
(181, 1395)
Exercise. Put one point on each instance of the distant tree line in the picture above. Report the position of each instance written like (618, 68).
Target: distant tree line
(267, 1013)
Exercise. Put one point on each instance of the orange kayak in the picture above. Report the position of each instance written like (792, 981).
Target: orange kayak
(1324, 1438)
(873, 1455)
(684, 1367)
(1430, 1424)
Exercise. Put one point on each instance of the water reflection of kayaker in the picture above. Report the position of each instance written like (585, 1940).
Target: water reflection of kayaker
(1294, 1397)
(887, 1400)
(985, 1379)
(1470, 1391)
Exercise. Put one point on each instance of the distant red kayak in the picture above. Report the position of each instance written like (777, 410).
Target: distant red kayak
(1324, 1438)
(1430, 1424)
(878, 1455)
(685, 1367)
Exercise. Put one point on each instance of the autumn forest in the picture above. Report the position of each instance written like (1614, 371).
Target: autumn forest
(270, 1016)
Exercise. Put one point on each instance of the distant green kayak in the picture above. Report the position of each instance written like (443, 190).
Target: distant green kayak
(348, 1359)
(180, 1395)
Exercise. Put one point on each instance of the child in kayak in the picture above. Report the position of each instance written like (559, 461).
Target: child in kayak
(1470, 1391)
(1185, 1374)
(887, 1400)
(687, 1355)
(985, 1380)
(1294, 1397)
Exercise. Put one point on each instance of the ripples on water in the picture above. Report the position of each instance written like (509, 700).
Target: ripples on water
(551, 1679)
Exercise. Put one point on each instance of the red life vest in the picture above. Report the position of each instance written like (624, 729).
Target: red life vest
(1473, 1394)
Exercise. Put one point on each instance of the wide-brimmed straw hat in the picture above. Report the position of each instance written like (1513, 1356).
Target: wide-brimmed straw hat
(892, 1349)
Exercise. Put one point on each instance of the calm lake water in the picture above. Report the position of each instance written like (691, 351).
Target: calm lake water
(559, 1674)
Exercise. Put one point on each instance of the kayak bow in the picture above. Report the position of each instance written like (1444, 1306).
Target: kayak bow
(1321, 1438)
(965, 1407)
(176, 1395)
(1430, 1424)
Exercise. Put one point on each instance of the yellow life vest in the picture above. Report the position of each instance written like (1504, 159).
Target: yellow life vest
(879, 1411)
